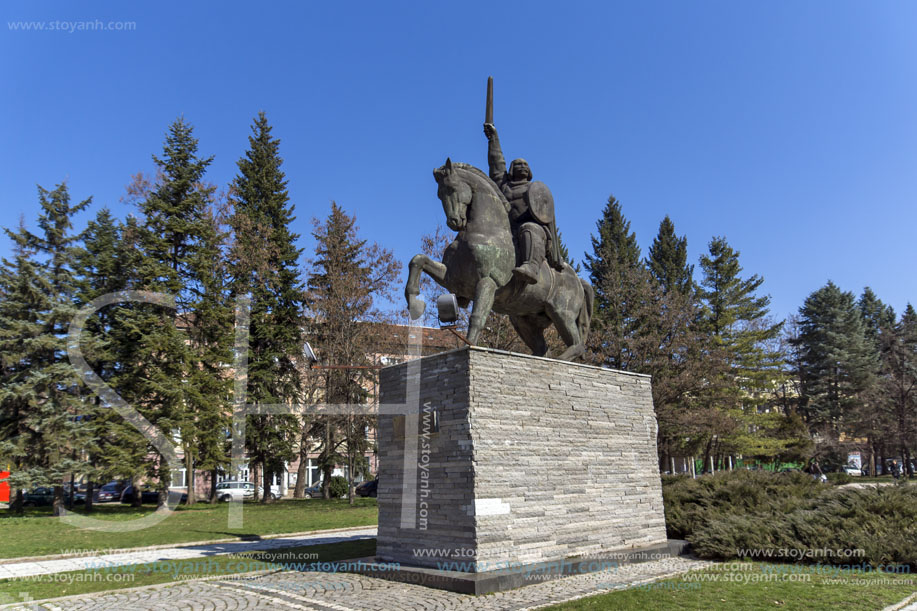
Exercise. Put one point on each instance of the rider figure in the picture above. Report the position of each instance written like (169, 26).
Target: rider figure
(534, 236)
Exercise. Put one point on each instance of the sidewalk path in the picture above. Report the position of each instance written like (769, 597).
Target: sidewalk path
(310, 591)
(46, 567)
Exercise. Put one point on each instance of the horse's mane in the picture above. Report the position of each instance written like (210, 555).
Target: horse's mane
(488, 182)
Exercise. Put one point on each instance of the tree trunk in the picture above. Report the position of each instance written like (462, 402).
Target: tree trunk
(872, 457)
(300, 490)
(189, 476)
(57, 505)
(707, 456)
(165, 481)
(71, 493)
(350, 487)
(90, 490)
(214, 473)
(256, 478)
(267, 476)
(326, 480)
(327, 467)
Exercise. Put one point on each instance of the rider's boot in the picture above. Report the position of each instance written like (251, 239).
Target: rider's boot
(533, 251)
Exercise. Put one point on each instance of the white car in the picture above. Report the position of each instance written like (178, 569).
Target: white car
(853, 470)
(232, 489)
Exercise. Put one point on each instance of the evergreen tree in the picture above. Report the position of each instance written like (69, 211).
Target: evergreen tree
(736, 317)
(565, 253)
(615, 271)
(265, 267)
(873, 420)
(877, 317)
(837, 361)
(898, 384)
(738, 322)
(159, 354)
(640, 327)
(119, 449)
(668, 259)
(210, 336)
(348, 275)
(21, 331)
(47, 432)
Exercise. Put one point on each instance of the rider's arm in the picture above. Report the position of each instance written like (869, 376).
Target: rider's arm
(495, 161)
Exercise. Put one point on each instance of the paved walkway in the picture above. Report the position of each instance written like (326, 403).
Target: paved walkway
(311, 591)
(47, 567)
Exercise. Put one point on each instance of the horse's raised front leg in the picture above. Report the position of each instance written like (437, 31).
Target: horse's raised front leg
(483, 302)
(434, 269)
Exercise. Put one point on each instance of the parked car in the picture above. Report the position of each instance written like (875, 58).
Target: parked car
(314, 491)
(109, 492)
(147, 494)
(232, 489)
(369, 488)
(852, 470)
(79, 493)
(38, 497)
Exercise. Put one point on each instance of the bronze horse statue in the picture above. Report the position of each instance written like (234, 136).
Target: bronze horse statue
(477, 266)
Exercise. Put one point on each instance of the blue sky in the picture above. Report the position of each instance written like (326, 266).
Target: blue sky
(789, 127)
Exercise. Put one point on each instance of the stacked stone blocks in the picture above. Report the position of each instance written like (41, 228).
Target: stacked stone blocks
(520, 460)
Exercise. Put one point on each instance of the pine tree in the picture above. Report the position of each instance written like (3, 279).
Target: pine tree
(668, 259)
(21, 330)
(642, 328)
(873, 420)
(119, 449)
(265, 267)
(898, 384)
(210, 333)
(877, 316)
(837, 361)
(738, 321)
(348, 276)
(565, 253)
(157, 350)
(615, 270)
(40, 388)
(735, 316)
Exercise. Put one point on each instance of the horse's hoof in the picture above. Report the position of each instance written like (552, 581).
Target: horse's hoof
(573, 352)
(416, 308)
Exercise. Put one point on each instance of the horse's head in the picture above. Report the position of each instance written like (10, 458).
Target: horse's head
(455, 194)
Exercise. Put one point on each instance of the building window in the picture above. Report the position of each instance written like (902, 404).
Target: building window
(179, 479)
(314, 472)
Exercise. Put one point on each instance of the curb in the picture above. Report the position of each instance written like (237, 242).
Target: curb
(127, 550)
(155, 586)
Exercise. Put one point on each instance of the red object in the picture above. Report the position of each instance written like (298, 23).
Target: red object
(4, 487)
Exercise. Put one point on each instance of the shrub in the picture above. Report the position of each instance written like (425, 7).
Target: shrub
(690, 502)
(839, 479)
(788, 516)
(338, 487)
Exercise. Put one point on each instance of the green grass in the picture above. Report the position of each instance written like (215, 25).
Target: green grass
(115, 578)
(817, 592)
(37, 533)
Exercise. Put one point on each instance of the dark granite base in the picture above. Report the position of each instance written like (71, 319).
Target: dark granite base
(515, 577)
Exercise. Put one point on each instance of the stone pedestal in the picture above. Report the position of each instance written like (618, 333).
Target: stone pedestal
(520, 460)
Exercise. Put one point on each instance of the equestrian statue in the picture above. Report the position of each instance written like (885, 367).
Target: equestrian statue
(506, 254)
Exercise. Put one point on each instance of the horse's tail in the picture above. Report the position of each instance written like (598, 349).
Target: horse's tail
(584, 318)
